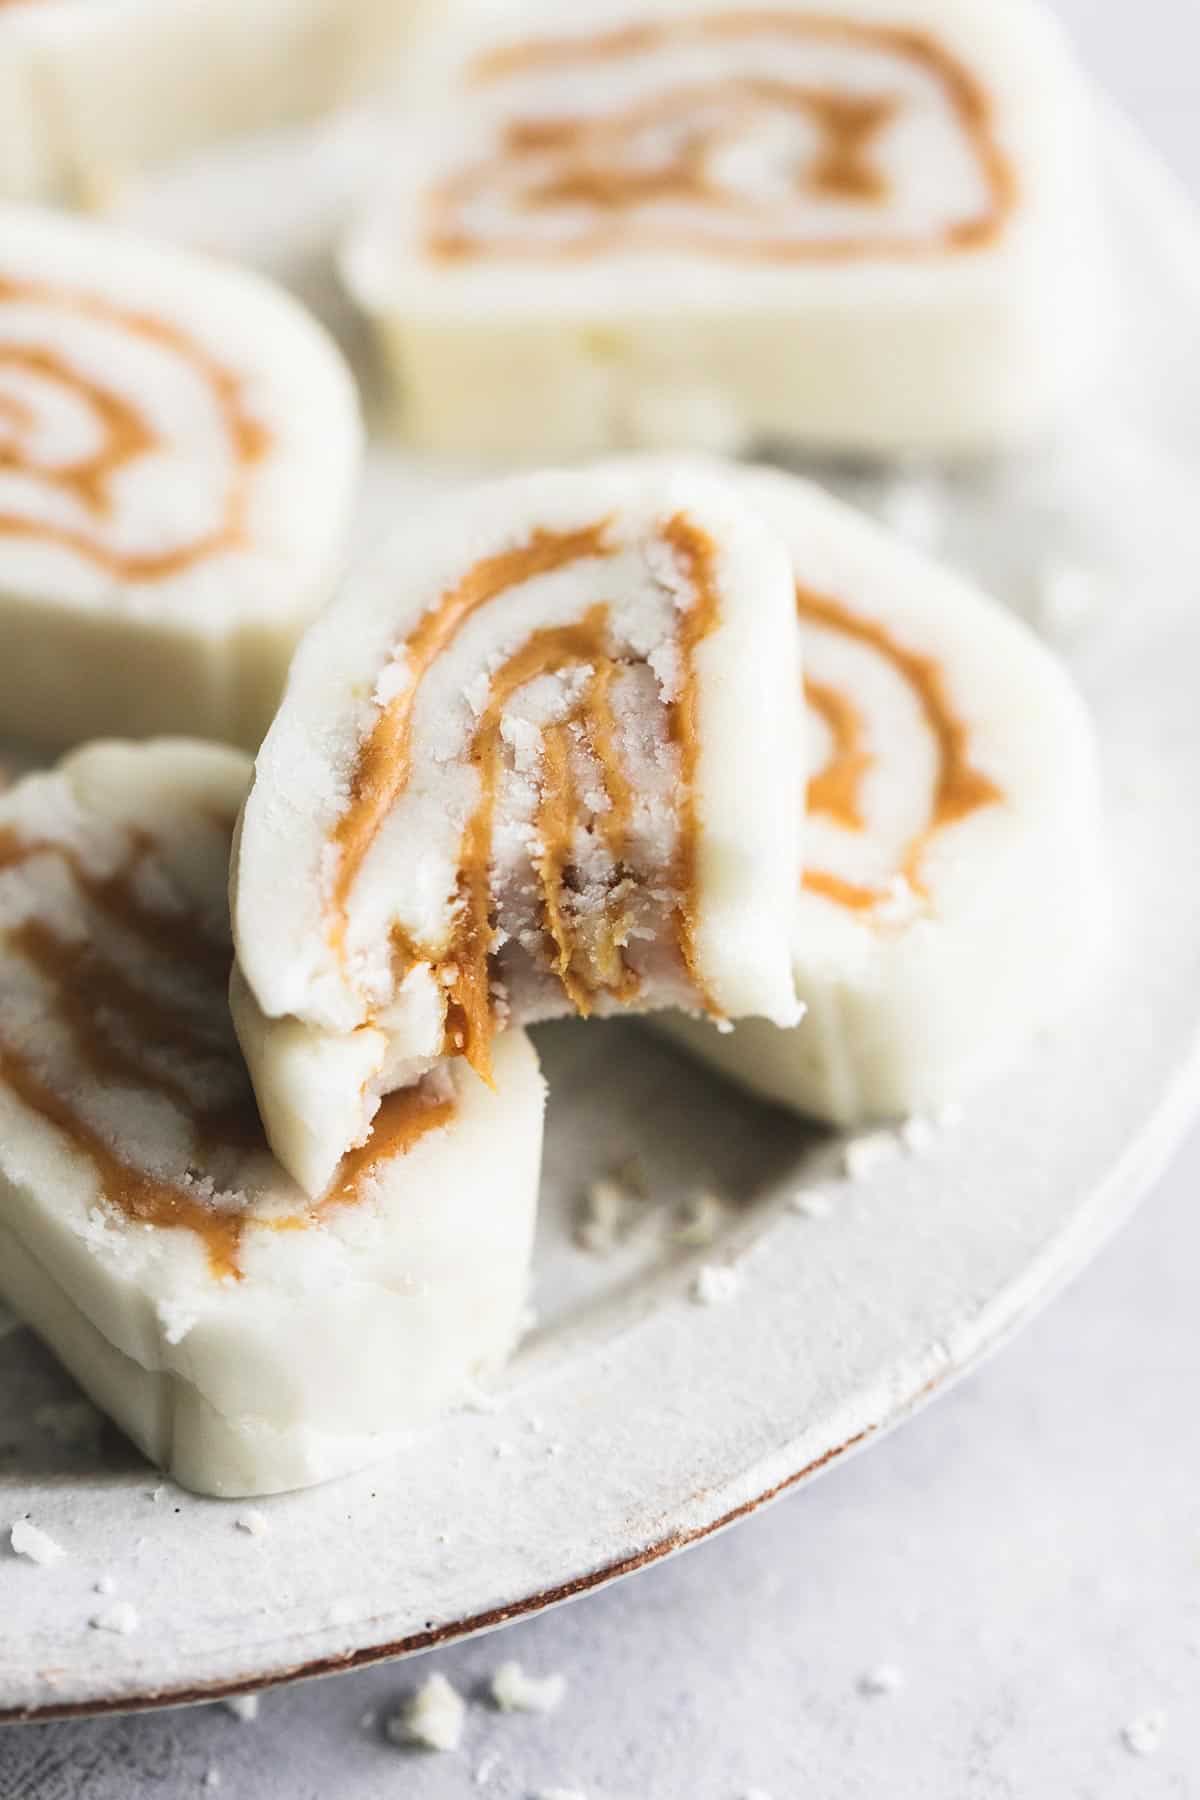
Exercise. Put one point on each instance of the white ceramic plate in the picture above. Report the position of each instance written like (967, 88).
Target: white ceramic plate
(634, 1421)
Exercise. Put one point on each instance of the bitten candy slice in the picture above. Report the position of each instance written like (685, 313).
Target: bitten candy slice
(955, 890)
(538, 758)
(862, 225)
(247, 1338)
(179, 446)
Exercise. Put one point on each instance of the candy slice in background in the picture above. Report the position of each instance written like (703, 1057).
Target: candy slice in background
(248, 1339)
(25, 167)
(955, 892)
(868, 225)
(179, 448)
(105, 91)
(540, 757)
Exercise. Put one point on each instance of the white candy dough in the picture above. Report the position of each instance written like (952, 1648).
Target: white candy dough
(248, 1339)
(179, 446)
(103, 88)
(540, 756)
(955, 890)
(866, 225)
(25, 167)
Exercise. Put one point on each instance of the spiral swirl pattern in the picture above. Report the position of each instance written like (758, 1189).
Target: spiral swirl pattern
(117, 988)
(585, 794)
(124, 442)
(860, 860)
(765, 135)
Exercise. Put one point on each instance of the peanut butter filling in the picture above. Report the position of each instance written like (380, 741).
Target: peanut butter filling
(129, 1034)
(594, 964)
(697, 556)
(835, 791)
(124, 436)
(589, 154)
(550, 652)
(587, 956)
(610, 170)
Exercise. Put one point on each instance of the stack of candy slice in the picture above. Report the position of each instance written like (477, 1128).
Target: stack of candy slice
(542, 756)
(249, 1338)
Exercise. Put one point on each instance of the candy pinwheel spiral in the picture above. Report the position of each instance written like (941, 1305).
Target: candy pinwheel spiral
(247, 1337)
(538, 758)
(178, 449)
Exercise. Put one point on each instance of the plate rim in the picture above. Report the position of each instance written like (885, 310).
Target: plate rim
(768, 1478)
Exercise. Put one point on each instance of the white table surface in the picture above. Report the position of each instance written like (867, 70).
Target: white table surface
(1026, 1552)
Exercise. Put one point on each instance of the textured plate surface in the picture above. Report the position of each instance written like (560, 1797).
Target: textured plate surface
(634, 1420)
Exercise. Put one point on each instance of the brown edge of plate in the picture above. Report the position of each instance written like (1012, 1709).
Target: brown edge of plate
(438, 1636)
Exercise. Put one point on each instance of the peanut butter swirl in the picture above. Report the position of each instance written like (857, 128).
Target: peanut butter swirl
(585, 955)
(98, 482)
(649, 174)
(835, 791)
(596, 966)
(550, 652)
(170, 1039)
